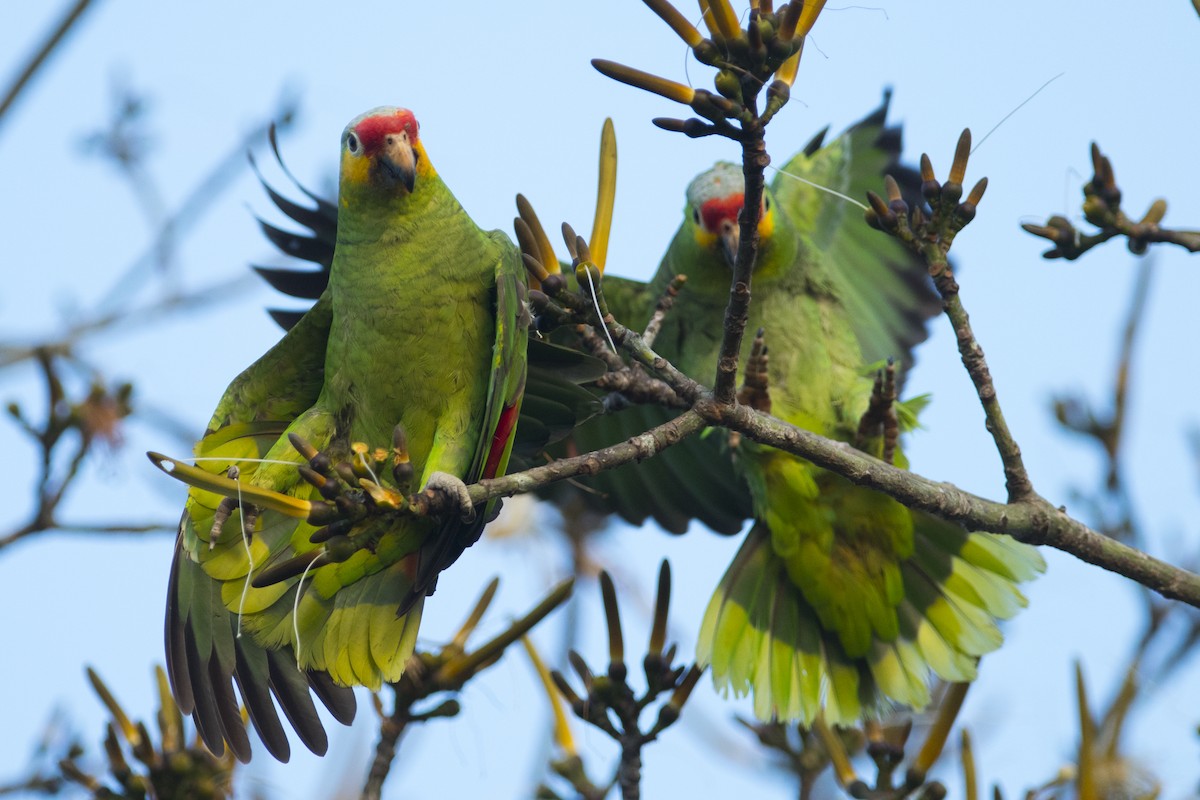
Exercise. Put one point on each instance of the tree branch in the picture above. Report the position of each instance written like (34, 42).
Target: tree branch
(737, 312)
(1033, 519)
(930, 237)
(447, 671)
(637, 448)
(1015, 476)
(39, 58)
(1102, 208)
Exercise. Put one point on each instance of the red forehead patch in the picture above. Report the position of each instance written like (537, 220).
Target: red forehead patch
(720, 209)
(374, 129)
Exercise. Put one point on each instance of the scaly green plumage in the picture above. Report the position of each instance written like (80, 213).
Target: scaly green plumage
(840, 598)
(422, 324)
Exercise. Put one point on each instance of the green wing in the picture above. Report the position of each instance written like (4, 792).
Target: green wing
(504, 400)
(204, 653)
(886, 289)
(694, 479)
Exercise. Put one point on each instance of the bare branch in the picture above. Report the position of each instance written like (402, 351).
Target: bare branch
(930, 236)
(1033, 519)
(448, 670)
(39, 58)
(1102, 208)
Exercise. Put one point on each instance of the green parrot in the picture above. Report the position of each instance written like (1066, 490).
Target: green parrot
(422, 324)
(840, 599)
(555, 400)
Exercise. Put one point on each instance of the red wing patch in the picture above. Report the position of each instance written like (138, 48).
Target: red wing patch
(504, 431)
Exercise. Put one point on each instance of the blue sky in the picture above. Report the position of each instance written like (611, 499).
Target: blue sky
(521, 111)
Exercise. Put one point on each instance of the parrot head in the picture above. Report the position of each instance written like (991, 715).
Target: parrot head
(714, 199)
(382, 153)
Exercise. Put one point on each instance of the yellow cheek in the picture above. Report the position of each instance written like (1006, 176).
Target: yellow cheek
(424, 165)
(766, 225)
(704, 238)
(356, 170)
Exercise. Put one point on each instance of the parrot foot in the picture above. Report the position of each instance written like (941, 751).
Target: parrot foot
(880, 416)
(454, 490)
(756, 383)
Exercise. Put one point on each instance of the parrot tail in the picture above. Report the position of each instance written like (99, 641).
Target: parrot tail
(346, 624)
(762, 637)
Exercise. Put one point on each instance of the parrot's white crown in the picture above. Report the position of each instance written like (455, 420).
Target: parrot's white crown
(717, 183)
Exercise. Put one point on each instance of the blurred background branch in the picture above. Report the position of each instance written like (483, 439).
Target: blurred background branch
(41, 55)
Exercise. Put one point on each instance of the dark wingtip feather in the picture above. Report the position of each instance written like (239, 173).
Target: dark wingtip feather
(339, 700)
(306, 284)
(879, 115)
(298, 245)
(291, 690)
(285, 319)
(254, 686)
(326, 207)
(315, 245)
(228, 711)
(319, 220)
(204, 712)
(816, 142)
(178, 673)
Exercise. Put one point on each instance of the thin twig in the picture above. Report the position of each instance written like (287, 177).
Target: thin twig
(637, 448)
(106, 529)
(447, 671)
(391, 728)
(198, 202)
(1016, 478)
(754, 164)
(128, 318)
(48, 785)
(43, 53)
(1137, 309)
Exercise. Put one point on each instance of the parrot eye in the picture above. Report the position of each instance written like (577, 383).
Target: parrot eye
(352, 143)
(766, 203)
(696, 215)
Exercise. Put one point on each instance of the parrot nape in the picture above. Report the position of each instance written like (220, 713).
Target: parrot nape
(840, 598)
(422, 325)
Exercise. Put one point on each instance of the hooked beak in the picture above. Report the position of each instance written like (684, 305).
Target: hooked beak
(398, 162)
(730, 236)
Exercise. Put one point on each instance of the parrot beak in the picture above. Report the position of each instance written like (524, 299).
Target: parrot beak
(730, 236)
(398, 162)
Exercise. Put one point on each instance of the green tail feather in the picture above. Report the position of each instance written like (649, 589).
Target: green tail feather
(762, 637)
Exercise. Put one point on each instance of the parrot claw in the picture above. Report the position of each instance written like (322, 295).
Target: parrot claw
(455, 490)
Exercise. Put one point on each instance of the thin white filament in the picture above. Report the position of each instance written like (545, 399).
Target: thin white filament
(249, 555)
(825, 189)
(248, 460)
(979, 144)
(296, 606)
(367, 466)
(242, 526)
(596, 304)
